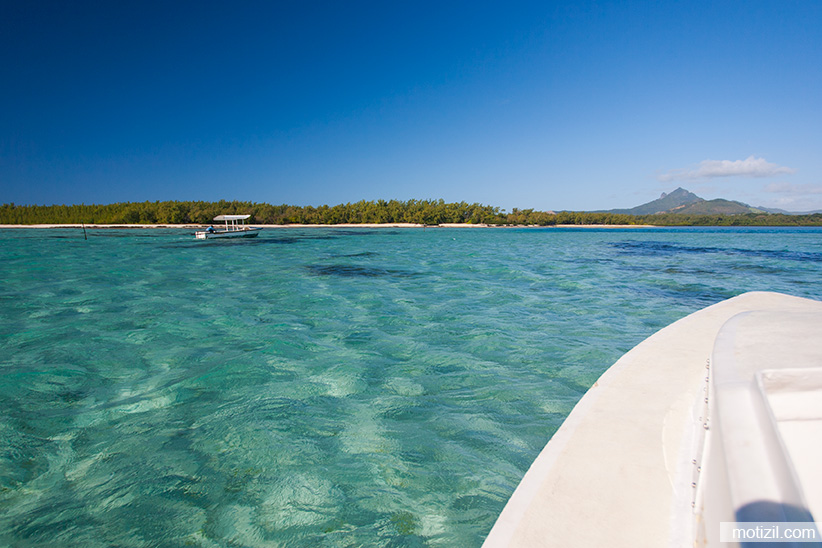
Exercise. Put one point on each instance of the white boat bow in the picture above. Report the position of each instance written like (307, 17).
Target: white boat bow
(715, 419)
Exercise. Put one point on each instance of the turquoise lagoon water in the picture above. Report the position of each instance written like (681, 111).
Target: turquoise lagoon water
(323, 387)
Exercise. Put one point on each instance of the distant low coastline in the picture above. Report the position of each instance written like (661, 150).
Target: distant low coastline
(382, 213)
(340, 225)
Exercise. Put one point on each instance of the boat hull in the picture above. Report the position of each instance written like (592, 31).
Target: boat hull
(247, 233)
(712, 420)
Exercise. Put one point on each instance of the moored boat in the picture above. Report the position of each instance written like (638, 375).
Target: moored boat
(235, 227)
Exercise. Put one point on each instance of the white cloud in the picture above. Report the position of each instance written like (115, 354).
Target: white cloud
(792, 189)
(711, 169)
(794, 197)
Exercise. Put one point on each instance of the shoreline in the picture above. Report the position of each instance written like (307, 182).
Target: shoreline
(191, 226)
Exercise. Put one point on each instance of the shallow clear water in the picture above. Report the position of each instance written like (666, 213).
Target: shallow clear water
(323, 387)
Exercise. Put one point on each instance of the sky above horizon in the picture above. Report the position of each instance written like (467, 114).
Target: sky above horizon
(544, 105)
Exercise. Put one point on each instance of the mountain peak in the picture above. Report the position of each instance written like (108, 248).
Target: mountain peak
(684, 201)
(666, 202)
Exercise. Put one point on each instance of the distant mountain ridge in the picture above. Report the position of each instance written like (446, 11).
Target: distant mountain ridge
(666, 203)
(681, 201)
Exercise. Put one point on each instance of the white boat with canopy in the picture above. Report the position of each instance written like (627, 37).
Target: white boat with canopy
(235, 227)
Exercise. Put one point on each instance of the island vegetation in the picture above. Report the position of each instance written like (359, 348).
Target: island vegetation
(427, 212)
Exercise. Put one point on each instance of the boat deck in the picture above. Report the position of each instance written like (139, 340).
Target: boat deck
(624, 468)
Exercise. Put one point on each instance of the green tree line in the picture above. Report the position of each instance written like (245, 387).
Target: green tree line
(429, 212)
(173, 212)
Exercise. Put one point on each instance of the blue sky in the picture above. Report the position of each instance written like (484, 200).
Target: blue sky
(546, 105)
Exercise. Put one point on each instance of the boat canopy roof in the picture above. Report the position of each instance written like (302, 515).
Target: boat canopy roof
(231, 217)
